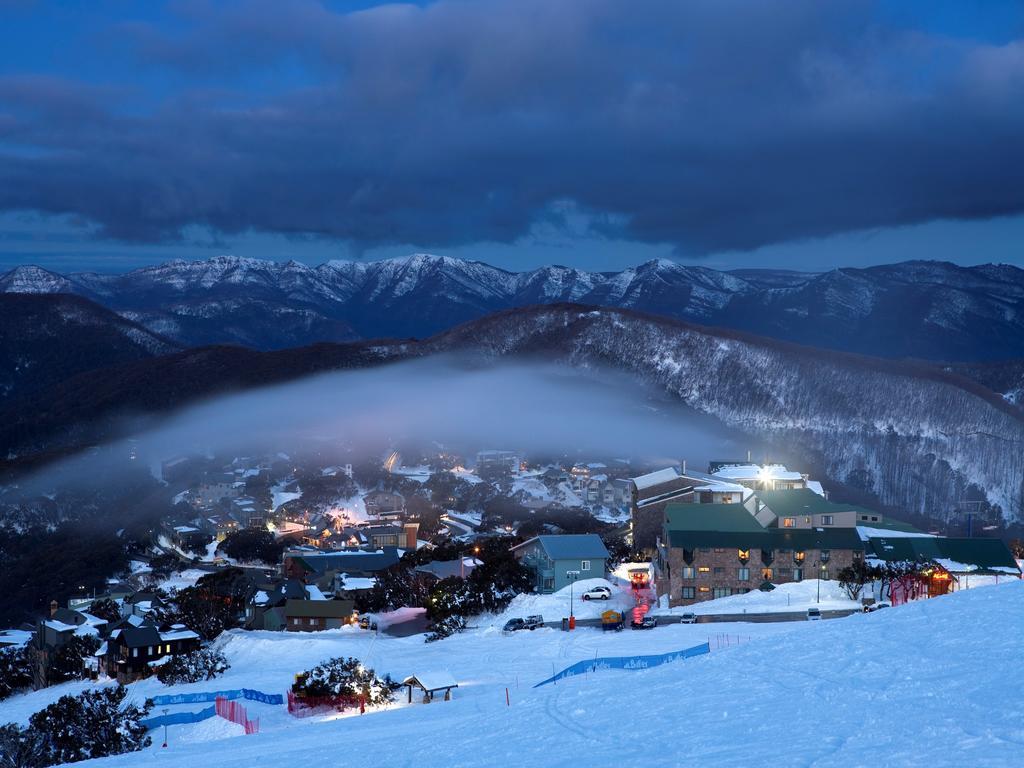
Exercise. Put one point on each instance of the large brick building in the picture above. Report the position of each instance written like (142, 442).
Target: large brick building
(716, 550)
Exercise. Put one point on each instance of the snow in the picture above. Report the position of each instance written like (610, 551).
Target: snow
(655, 478)
(555, 606)
(791, 597)
(182, 579)
(281, 496)
(866, 532)
(871, 689)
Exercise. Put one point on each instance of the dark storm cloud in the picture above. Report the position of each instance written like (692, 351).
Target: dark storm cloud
(710, 125)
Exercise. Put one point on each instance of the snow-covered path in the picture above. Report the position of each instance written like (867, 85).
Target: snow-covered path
(935, 683)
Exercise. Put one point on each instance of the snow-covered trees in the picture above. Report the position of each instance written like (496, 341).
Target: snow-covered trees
(203, 664)
(252, 545)
(346, 677)
(96, 723)
(68, 661)
(15, 670)
(853, 577)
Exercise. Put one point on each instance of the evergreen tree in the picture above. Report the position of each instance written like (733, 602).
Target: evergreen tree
(96, 723)
(105, 609)
(202, 664)
(68, 661)
(22, 747)
(15, 670)
(343, 676)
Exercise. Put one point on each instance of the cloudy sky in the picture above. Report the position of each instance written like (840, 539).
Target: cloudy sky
(597, 133)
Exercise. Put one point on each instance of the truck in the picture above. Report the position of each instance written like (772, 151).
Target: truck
(611, 621)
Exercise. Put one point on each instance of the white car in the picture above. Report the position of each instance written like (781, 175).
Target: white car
(598, 593)
(814, 614)
(878, 606)
(688, 618)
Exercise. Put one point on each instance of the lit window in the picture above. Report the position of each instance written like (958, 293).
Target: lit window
(705, 589)
(704, 569)
(788, 522)
(766, 574)
(743, 554)
(798, 556)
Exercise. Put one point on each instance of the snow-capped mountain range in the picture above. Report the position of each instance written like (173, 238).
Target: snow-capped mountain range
(930, 310)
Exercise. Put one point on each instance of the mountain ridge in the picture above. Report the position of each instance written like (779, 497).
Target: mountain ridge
(931, 310)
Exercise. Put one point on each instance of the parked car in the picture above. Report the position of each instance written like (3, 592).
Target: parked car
(688, 618)
(365, 622)
(647, 622)
(878, 606)
(598, 593)
(532, 622)
(514, 625)
(814, 614)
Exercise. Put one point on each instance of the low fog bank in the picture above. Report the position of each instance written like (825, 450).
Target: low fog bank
(540, 409)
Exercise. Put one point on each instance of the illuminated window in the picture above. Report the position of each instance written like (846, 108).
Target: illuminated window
(788, 522)
(704, 569)
(766, 574)
(743, 554)
(705, 589)
(798, 556)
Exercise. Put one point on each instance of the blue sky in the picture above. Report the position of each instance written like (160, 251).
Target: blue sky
(595, 133)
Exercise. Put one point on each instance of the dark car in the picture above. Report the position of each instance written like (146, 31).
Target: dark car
(514, 625)
(647, 622)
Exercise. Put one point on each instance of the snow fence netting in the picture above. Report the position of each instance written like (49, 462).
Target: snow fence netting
(626, 662)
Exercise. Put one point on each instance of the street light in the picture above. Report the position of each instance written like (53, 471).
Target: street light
(572, 575)
(165, 728)
(821, 570)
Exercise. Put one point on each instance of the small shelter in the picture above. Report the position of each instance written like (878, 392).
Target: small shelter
(431, 684)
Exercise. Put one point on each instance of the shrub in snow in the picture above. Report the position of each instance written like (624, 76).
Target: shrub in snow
(346, 677)
(96, 723)
(22, 747)
(194, 667)
(15, 670)
(105, 609)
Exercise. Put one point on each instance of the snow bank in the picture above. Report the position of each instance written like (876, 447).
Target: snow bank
(795, 596)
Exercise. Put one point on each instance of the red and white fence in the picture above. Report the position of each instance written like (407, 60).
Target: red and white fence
(235, 712)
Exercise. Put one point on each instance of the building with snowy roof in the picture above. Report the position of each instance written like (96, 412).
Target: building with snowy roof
(553, 559)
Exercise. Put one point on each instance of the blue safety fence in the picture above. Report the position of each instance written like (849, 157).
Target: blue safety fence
(626, 662)
(241, 693)
(178, 718)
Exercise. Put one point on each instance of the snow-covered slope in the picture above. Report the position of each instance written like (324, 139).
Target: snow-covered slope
(927, 684)
(930, 310)
(911, 435)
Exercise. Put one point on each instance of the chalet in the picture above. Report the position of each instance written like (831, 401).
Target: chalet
(56, 631)
(131, 653)
(318, 615)
(316, 567)
(758, 477)
(803, 508)
(709, 551)
(554, 558)
(381, 504)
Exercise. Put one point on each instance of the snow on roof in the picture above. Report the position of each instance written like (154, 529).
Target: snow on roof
(815, 486)
(866, 532)
(655, 478)
(721, 488)
(102, 650)
(260, 598)
(179, 634)
(313, 592)
(59, 626)
(185, 529)
(754, 472)
(432, 681)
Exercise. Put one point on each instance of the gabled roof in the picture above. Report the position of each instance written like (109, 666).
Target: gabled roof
(319, 609)
(731, 525)
(432, 681)
(956, 555)
(136, 637)
(350, 562)
(571, 546)
(803, 501)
